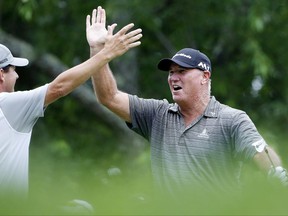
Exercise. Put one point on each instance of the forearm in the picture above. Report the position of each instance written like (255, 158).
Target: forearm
(265, 159)
(270, 162)
(67, 81)
(106, 91)
(105, 85)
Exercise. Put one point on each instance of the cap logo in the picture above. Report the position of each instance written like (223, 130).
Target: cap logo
(204, 66)
(3, 61)
(182, 54)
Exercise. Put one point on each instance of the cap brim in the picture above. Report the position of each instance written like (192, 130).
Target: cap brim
(19, 62)
(165, 64)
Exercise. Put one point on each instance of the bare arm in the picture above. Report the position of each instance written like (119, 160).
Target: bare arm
(105, 88)
(264, 160)
(67, 81)
(104, 83)
(268, 161)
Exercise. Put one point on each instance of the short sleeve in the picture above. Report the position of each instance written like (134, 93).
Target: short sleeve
(142, 113)
(23, 108)
(244, 134)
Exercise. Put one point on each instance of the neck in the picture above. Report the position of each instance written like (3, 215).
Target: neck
(194, 107)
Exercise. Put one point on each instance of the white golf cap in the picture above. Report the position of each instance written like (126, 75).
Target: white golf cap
(6, 58)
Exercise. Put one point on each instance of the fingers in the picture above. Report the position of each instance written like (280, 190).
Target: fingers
(136, 43)
(98, 16)
(122, 41)
(101, 15)
(135, 34)
(132, 37)
(99, 12)
(131, 34)
(94, 13)
(126, 28)
(88, 21)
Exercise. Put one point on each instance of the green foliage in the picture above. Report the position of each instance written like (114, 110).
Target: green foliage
(246, 41)
(130, 194)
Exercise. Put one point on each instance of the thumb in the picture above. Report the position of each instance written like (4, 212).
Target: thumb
(111, 29)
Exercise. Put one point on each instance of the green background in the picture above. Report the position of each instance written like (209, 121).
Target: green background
(76, 153)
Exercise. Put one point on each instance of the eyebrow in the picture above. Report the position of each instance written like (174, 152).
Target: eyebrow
(178, 69)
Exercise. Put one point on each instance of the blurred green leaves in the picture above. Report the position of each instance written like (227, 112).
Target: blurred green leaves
(26, 9)
(72, 151)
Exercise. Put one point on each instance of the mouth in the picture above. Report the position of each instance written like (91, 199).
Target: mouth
(176, 87)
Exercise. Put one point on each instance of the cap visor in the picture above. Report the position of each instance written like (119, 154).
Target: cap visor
(19, 62)
(165, 64)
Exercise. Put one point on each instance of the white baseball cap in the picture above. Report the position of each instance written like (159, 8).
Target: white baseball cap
(6, 58)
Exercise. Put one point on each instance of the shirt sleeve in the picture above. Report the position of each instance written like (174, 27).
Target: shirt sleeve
(142, 113)
(23, 108)
(245, 133)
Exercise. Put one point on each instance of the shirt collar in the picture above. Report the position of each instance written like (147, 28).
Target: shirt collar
(212, 109)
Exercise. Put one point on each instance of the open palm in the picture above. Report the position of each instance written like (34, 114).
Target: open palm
(96, 31)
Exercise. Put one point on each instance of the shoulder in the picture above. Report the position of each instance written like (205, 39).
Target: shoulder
(138, 101)
(236, 117)
(229, 113)
(22, 97)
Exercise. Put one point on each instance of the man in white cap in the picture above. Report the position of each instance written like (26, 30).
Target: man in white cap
(19, 110)
(195, 141)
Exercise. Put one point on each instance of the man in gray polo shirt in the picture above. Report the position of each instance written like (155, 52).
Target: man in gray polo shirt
(195, 140)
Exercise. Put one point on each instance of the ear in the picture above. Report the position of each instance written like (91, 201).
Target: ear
(207, 74)
(1, 74)
(206, 77)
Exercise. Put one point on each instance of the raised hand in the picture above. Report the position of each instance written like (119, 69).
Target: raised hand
(122, 41)
(96, 32)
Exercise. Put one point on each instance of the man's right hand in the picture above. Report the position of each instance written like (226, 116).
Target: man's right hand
(96, 32)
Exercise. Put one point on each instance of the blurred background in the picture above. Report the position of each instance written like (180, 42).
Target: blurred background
(80, 150)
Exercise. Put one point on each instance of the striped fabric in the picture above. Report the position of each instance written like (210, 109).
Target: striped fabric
(207, 152)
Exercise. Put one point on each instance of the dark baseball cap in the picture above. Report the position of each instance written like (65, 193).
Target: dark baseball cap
(6, 58)
(187, 58)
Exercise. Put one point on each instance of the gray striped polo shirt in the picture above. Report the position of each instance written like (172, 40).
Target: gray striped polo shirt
(206, 152)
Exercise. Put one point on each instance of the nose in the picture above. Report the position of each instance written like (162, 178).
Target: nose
(16, 74)
(174, 77)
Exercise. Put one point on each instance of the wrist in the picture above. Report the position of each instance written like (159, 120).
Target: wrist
(95, 49)
(103, 56)
(279, 173)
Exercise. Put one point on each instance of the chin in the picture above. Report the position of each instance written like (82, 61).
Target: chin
(176, 99)
(179, 99)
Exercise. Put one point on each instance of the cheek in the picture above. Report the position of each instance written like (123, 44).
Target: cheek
(169, 80)
(9, 79)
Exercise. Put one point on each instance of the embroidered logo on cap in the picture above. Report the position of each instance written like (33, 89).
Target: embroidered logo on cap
(182, 54)
(204, 66)
(3, 61)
